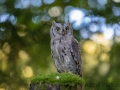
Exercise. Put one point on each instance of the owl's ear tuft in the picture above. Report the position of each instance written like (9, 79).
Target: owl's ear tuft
(53, 23)
(68, 22)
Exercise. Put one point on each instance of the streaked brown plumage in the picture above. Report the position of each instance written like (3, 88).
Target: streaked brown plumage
(65, 49)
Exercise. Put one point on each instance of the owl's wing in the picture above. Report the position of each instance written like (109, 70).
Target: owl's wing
(76, 56)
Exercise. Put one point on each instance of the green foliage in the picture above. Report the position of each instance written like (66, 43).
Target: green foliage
(58, 78)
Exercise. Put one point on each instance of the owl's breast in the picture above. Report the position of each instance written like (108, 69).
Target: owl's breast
(62, 44)
(62, 56)
(62, 49)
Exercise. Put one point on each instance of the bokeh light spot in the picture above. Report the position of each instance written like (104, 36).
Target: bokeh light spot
(84, 33)
(93, 27)
(117, 1)
(6, 48)
(2, 1)
(108, 32)
(23, 56)
(55, 11)
(90, 47)
(99, 39)
(46, 17)
(116, 28)
(36, 19)
(92, 3)
(4, 17)
(102, 2)
(87, 19)
(104, 57)
(76, 16)
(104, 68)
(36, 3)
(2, 55)
(2, 88)
(68, 9)
(27, 3)
(13, 19)
(2, 29)
(116, 11)
(48, 1)
(27, 72)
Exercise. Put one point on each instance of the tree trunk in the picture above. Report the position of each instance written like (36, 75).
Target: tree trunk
(57, 81)
(39, 86)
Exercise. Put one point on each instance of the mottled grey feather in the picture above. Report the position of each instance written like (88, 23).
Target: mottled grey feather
(65, 49)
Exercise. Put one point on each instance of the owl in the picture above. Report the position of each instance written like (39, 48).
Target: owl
(65, 49)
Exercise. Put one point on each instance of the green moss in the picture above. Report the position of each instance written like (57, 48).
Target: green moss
(58, 78)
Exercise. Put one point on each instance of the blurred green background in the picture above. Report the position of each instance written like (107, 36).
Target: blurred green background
(25, 40)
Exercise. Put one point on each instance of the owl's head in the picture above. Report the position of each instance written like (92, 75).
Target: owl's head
(60, 29)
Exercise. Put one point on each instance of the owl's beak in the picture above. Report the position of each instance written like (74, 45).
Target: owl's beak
(63, 32)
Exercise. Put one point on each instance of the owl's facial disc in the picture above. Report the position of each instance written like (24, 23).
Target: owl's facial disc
(61, 28)
(62, 31)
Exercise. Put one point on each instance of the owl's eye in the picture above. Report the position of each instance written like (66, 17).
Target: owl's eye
(66, 28)
(57, 29)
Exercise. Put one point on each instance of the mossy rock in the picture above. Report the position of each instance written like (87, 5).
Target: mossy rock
(57, 80)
